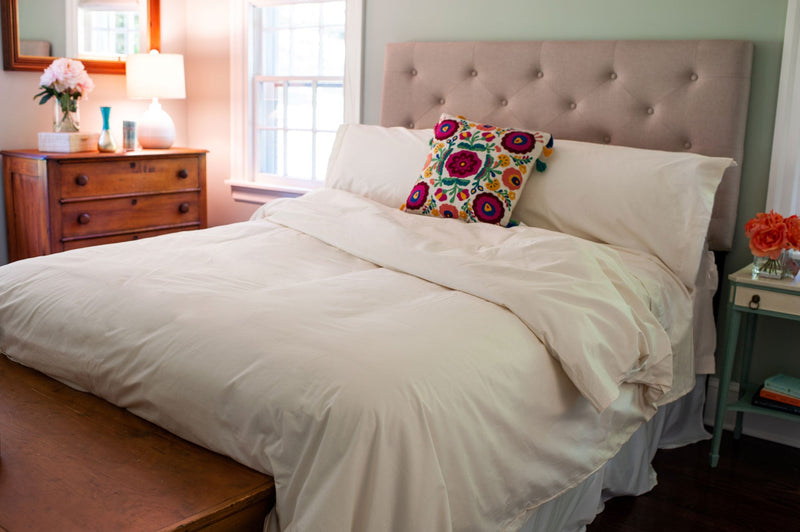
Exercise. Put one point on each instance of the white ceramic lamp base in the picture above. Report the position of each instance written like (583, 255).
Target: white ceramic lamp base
(156, 130)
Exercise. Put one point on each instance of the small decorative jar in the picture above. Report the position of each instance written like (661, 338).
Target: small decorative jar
(128, 135)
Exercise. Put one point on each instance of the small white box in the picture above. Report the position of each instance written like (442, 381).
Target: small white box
(68, 142)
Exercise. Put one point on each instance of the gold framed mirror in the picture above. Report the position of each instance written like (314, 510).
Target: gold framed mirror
(15, 59)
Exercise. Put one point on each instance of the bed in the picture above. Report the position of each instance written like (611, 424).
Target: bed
(389, 369)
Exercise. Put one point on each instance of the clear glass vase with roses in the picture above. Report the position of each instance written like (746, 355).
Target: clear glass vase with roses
(771, 238)
(65, 81)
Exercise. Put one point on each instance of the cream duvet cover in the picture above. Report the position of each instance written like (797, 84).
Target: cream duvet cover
(391, 371)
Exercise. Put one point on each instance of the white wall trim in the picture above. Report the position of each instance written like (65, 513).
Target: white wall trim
(71, 20)
(783, 190)
(240, 93)
(764, 427)
(354, 60)
(259, 193)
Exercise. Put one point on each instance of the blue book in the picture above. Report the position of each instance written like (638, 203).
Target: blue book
(784, 384)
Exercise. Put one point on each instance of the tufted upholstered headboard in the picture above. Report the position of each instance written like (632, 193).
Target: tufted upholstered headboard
(666, 95)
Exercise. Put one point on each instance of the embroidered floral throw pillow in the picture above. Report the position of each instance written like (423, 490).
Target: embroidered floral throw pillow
(476, 172)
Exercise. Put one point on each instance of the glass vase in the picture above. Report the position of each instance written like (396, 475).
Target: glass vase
(66, 120)
(791, 263)
(105, 142)
(767, 268)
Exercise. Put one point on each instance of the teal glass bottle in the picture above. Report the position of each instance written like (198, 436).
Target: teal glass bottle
(106, 141)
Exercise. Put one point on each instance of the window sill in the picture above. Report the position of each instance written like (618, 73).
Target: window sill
(260, 193)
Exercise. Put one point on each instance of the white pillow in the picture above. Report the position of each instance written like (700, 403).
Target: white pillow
(653, 201)
(380, 163)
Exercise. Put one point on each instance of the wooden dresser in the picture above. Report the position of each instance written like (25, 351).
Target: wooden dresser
(61, 201)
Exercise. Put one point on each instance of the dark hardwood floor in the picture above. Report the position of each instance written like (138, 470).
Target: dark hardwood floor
(756, 486)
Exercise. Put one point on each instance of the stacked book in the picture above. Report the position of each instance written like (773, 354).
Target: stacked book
(779, 392)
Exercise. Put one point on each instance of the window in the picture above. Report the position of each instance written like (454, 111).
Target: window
(783, 192)
(107, 33)
(105, 29)
(298, 77)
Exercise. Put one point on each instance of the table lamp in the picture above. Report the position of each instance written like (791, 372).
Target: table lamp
(155, 76)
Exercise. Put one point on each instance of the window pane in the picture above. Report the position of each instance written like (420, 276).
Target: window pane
(269, 106)
(330, 106)
(298, 154)
(304, 15)
(278, 17)
(299, 113)
(324, 148)
(333, 14)
(305, 52)
(332, 49)
(269, 152)
(280, 152)
(281, 54)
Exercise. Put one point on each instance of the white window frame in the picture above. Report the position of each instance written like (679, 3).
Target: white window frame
(243, 187)
(783, 190)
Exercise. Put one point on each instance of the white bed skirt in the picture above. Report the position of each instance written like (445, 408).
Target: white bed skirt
(629, 472)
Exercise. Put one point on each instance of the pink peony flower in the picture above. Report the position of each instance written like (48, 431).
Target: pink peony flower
(64, 76)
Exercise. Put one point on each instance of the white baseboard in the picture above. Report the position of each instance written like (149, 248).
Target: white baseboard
(764, 427)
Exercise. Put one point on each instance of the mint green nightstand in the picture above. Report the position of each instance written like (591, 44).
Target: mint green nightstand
(750, 298)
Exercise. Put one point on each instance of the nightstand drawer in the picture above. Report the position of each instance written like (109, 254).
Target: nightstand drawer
(767, 300)
(124, 214)
(104, 178)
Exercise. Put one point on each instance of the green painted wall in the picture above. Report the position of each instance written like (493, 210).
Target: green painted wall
(44, 20)
(761, 22)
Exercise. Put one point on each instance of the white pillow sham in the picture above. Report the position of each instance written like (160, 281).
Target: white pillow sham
(654, 201)
(380, 163)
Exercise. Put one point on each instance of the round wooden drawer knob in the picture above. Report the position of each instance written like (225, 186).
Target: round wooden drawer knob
(82, 180)
(84, 218)
(183, 173)
(183, 207)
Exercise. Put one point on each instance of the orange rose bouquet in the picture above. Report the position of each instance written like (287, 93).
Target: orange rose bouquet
(793, 232)
(770, 236)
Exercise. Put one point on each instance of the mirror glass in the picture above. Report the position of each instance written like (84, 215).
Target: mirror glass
(98, 32)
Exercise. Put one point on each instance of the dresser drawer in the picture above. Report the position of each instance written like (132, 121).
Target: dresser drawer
(100, 217)
(123, 237)
(767, 300)
(104, 178)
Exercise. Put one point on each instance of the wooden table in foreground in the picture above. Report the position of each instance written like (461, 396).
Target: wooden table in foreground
(71, 461)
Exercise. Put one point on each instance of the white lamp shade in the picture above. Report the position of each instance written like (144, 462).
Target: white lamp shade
(155, 75)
